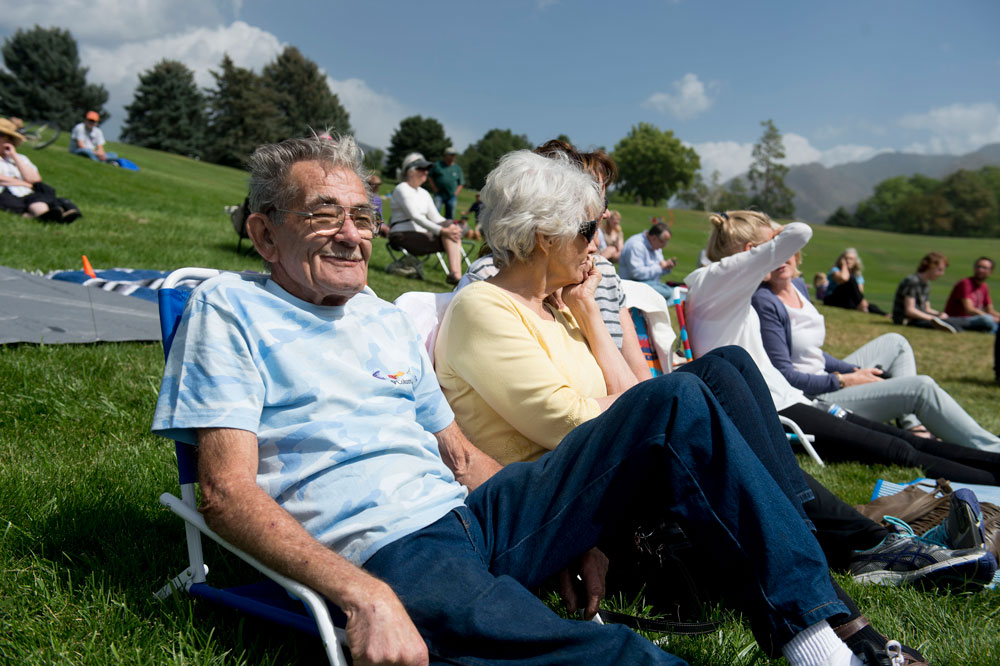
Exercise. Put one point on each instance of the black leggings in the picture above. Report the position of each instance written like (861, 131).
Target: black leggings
(857, 438)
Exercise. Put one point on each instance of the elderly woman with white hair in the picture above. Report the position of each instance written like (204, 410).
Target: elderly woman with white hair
(416, 225)
(522, 372)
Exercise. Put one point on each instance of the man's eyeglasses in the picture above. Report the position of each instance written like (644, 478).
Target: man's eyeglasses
(588, 229)
(329, 218)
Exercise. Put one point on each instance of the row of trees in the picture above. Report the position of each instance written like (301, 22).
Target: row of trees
(290, 96)
(44, 80)
(245, 109)
(966, 203)
(767, 191)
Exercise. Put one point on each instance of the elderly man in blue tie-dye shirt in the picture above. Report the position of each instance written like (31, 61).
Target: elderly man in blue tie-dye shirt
(327, 450)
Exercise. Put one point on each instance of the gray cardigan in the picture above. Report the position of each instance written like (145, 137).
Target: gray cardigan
(776, 333)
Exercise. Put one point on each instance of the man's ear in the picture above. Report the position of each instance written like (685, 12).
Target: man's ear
(262, 236)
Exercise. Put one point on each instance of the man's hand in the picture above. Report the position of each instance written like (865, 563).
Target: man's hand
(379, 631)
(8, 151)
(592, 567)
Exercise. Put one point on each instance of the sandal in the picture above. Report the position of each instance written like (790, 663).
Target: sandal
(922, 431)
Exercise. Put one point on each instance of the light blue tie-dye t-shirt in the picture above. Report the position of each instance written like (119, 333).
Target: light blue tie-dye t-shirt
(343, 401)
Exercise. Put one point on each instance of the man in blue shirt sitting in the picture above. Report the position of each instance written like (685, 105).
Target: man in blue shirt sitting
(642, 259)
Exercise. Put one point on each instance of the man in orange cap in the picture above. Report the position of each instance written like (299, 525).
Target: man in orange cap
(87, 139)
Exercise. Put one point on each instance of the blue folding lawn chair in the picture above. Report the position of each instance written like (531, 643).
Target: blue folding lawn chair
(279, 599)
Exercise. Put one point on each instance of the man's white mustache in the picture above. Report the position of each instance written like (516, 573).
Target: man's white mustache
(350, 255)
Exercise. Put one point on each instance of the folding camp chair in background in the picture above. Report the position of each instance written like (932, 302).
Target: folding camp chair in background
(279, 599)
(398, 252)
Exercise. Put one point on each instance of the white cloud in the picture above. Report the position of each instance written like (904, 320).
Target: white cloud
(956, 129)
(108, 21)
(374, 116)
(731, 158)
(689, 98)
(201, 49)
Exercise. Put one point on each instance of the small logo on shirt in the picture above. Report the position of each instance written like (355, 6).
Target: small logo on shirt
(401, 377)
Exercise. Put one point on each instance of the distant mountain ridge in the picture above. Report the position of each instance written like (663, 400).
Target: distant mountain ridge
(820, 190)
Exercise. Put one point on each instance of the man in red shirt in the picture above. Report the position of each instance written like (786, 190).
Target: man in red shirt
(970, 300)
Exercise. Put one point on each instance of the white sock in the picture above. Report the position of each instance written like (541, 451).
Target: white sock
(818, 646)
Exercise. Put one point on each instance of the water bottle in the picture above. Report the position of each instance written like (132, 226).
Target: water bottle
(836, 410)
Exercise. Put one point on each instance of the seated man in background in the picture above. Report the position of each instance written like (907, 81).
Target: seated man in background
(970, 302)
(87, 139)
(912, 304)
(642, 259)
(327, 450)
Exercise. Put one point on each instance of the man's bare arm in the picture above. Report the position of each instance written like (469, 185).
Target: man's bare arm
(378, 629)
(470, 465)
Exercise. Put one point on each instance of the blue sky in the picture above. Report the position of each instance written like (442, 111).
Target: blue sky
(842, 80)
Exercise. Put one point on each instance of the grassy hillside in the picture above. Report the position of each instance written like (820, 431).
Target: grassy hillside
(83, 542)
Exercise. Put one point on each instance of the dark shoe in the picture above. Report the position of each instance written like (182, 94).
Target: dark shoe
(873, 648)
(71, 215)
(453, 279)
(963, 526)
(942, 325)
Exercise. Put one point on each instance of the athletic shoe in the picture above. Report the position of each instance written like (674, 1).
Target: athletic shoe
(903, 558)
(943, 325)
(963, 526)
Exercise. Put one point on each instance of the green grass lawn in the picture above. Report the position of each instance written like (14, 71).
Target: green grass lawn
(84, 543)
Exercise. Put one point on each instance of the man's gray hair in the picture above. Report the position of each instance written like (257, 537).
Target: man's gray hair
(527, 193)
(269, 166)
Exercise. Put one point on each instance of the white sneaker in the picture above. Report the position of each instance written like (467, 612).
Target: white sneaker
(943, 325)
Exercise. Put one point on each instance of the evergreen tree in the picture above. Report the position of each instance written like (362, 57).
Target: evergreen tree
(423, 135)
(374, 160)
(841, 218)
(44, 79)
(167, 111)
(767, 176)
(481, 157)
(734, 197)
(653, 165)
(302, 96)
(242, 115)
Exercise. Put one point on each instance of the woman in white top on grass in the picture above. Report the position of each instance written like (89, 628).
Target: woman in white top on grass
(416, 224)
(744, 247)
(793, 332)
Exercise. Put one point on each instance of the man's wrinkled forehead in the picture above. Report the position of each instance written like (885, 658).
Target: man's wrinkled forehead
(314, 182)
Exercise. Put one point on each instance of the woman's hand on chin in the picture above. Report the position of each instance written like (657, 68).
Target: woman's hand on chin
(577, 295)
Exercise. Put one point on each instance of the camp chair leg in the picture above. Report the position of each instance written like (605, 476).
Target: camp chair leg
(803, 439)
(179, 582)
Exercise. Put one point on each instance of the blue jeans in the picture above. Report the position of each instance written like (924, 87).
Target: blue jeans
(86, 152)
(667, 442)
(662, 289)
(449, 205)
(982, 322)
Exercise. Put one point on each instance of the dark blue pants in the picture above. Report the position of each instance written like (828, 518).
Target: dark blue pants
(465, 579)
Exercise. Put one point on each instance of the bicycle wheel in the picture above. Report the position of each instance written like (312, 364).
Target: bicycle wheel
(40, 135)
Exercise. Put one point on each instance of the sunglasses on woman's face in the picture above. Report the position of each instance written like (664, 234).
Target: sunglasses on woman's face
(588, 229)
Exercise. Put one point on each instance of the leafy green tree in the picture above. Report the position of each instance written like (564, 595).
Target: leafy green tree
(653, 164)
(973, 204)
(482, 156)
(374, 159)
(704, 196)
(304, 100)
(167, 111)
(767, 174)
(44, 80)
(416, 134)
(880, 211)
(564, 138)
(735, 196)
(242, 114)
